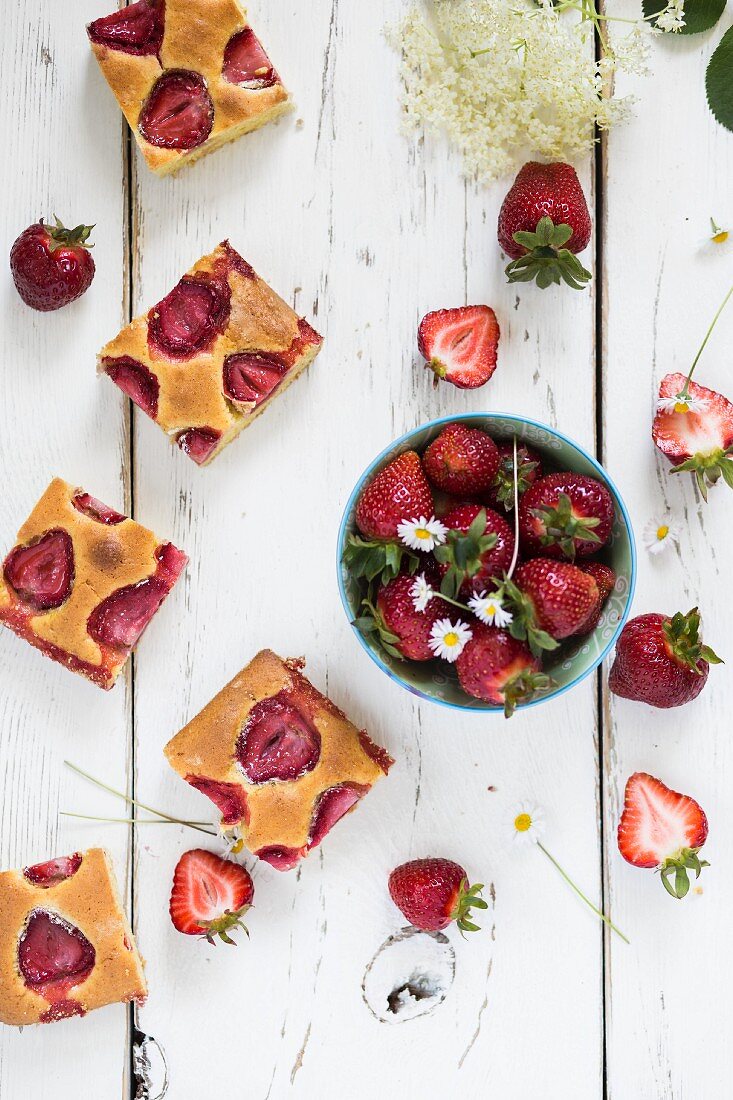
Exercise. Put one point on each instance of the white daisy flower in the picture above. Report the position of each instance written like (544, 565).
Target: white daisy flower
(529, 823)
(447, 639)
(422, 533)
(490, 610)
(660, 535)
(421, 593)
(232, 843)
(680, 404)
(718, 233)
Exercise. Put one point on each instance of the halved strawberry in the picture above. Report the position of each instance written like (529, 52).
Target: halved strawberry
(210, 895)
(460, 345)
(699, 441)
(53, 871)
(399, 491)
(662, 829)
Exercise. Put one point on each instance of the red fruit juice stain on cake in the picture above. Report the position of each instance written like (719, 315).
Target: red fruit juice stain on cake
(95, 509)
(42, 572)
(134, 379)
(250, 377)
(190, 317)
(227, 797)
(198, 443)
(246, 63)
(53, 871)
(53, 957)
(119, 620)
(280, 857)
(178, 113)
(278, 741)
(331, 806)
(136, 29)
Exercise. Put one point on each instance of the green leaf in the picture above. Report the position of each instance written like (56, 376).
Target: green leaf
(700, 15)
(719, 81)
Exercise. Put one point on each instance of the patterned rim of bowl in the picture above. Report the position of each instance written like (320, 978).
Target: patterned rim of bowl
(544, 439)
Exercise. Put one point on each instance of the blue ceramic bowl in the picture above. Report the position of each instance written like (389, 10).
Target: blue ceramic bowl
(576, 659)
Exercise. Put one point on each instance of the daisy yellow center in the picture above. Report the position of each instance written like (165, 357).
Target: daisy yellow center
(491, 608)
(451, 638)
(662, 532)
(523, 823)
(721, 237)
(681, 407)
(238, 847)
(422, 533)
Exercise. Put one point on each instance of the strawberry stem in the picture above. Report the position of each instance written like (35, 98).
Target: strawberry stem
(515, 555)
(134, 802)
(580, 894)
(685, 393)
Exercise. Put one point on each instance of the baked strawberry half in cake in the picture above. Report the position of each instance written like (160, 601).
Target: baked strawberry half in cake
(212, 355)
(278, 759)
(189, 75)
(65, 944)
(83, 582)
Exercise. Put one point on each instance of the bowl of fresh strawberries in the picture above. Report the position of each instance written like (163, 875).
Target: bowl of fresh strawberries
(486, 562)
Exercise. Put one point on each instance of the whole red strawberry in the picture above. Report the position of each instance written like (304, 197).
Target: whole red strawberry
(661, 661)
(664, 830)
(403, 631)
(461, 460)
(478, 551)
(499, 669)
(399, 491)
(460, 345)
(543, 222)
(210, 895)
(693, 428)
(566, 515)
(529, 469)
(432, 892)
(555, 599)
(52, 266)
(605, 579)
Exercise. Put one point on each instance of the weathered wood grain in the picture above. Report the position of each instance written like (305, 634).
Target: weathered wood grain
(373, 230)
(62, 154)
(668, 1009)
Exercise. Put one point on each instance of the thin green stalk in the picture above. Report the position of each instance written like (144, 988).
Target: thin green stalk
(140, 821)
(515, 555)
(713, 323)
(126, 798)
(580, 894)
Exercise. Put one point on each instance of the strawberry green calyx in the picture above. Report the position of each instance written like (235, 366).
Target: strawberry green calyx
(523, 687)
(546, 260)
(462, 553)
(61, 237)
(682, 633)
(563, 527)
(468, 898)
(503, 483)
(222, 926)
(373, 623)
(674, 871)
(371, 559)
(709, 468)
(524, 625)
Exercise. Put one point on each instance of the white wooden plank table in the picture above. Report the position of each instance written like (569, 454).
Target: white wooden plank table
(363, 231)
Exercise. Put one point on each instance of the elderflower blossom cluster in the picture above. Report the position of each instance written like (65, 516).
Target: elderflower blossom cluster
(502, 78)
(672, 19)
